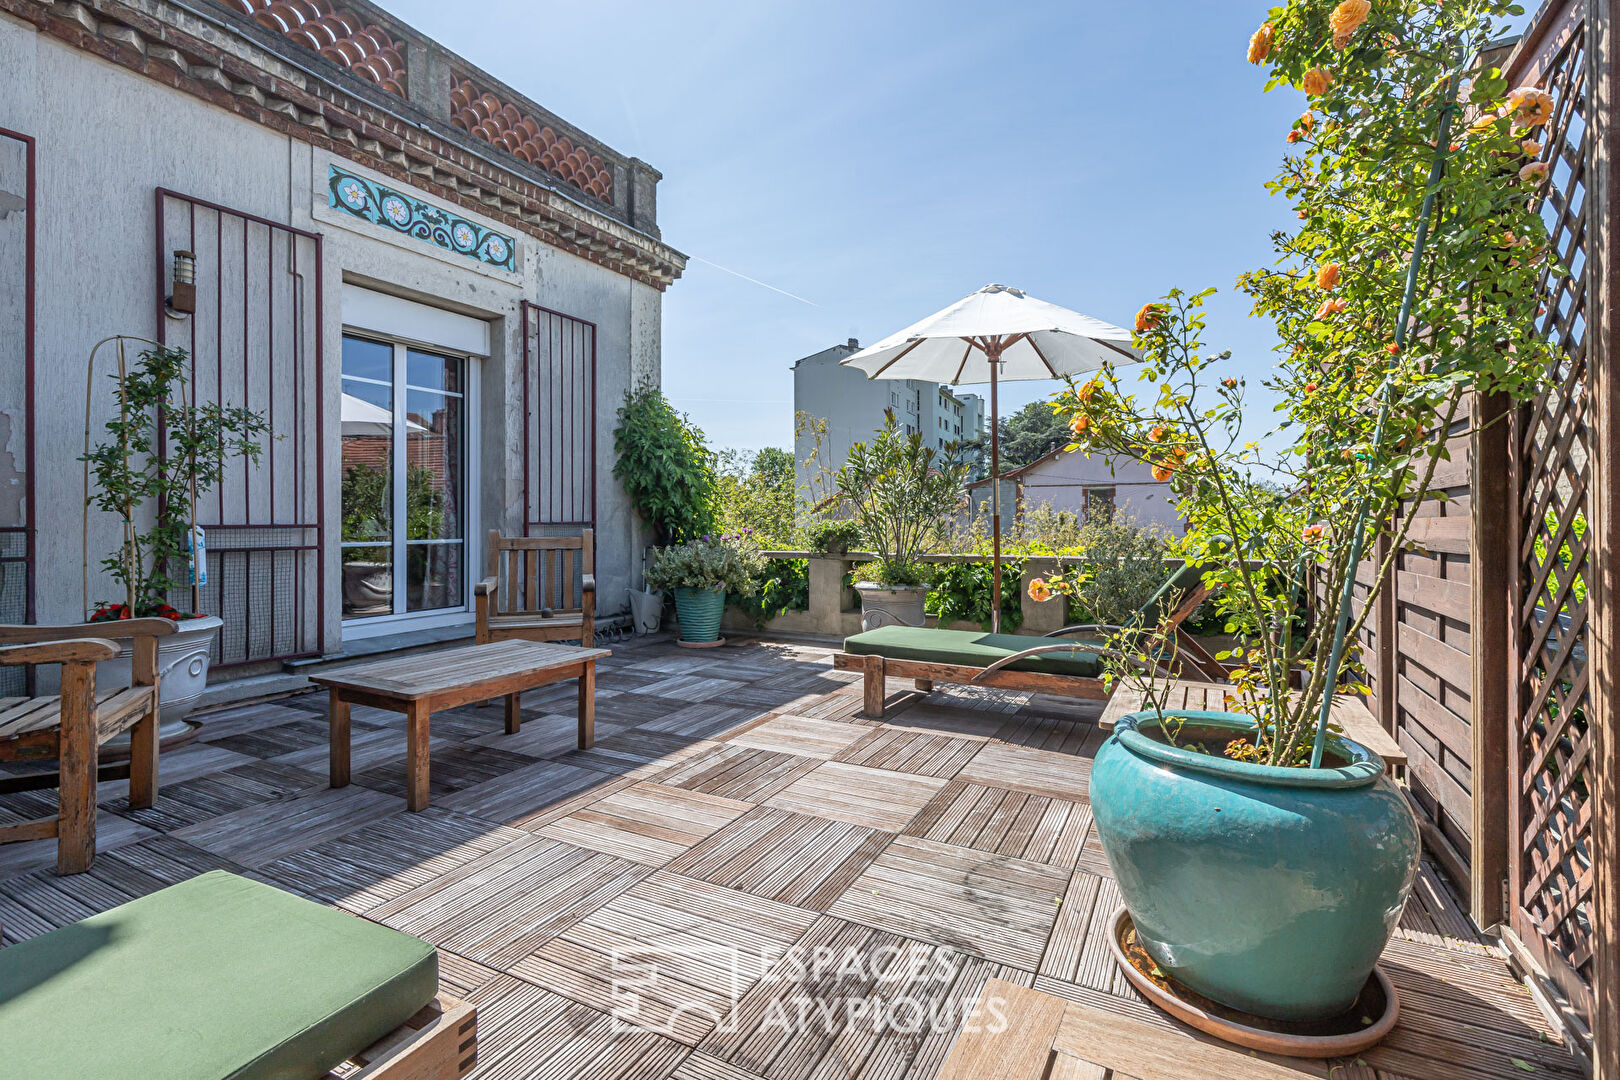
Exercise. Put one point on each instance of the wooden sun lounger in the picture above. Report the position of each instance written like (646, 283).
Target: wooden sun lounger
(439, 1043)
(1005, 668)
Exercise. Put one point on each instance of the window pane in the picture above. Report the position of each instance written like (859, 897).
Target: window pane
(433, 452)
(368, 448)
(432, 372)
(368, 359)
(368, 582)
(433, 576)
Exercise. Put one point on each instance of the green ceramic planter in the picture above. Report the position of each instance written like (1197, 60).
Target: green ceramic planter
(699, 611)
(1269, 890)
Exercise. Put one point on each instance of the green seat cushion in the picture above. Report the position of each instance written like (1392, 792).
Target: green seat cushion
(215, 977)
(970, 648)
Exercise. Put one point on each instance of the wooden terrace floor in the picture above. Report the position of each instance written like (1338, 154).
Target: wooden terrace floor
(736, 818)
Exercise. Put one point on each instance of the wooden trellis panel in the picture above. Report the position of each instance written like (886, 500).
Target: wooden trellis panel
(1552, 729)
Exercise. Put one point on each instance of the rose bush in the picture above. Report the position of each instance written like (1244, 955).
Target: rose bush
(1432, 251)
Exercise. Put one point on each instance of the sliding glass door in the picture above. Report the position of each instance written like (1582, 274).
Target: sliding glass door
(404, 480)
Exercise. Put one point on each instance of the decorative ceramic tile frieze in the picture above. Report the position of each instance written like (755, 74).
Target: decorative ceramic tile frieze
(382, 205)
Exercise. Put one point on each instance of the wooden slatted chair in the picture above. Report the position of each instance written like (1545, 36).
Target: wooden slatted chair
(532, 591)
(72, 725)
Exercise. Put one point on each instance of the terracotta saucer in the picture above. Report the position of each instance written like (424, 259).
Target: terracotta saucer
(1266, 1036)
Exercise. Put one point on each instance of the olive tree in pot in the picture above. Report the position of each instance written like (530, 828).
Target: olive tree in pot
(1264, 858)
(898, 491)
(158, 455)
(701, 573)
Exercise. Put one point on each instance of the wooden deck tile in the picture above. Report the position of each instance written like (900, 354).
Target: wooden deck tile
(526, 1032)
(461, 976)
(1058, 735)
(802, 735)
(646, 823)
(632, 709)
(369, 748)
(300, 733)
(502, 905)
(244, 719)
(263, 833)
(738, 772)
(700, 1066)
(370, 866)
(910, 751)
(523, 794)
(989, 905)
(1079, 951)
(1003, 822)
(706, 720)
(1039, 772)
(689, 687)
(886, 801)
(792, 858)
(191, 802)
(855, 1028)
(113, 831)
(631, 751)
(669, 954)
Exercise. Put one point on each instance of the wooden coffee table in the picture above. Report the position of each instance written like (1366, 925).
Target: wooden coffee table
(421, 685)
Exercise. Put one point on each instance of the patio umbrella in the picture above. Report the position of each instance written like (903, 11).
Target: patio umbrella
(996, 334)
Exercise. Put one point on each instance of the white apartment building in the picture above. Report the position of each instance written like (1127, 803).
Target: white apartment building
(852, 407)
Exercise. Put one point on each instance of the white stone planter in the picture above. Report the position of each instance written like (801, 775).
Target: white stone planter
(182, 666)
(888, 605)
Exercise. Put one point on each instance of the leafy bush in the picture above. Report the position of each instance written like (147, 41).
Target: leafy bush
(961, 593)
(664, 465)
(900, 492)
(1124, 566)
(783, 585)
(726, 562)
(757, 492)
(833, 537)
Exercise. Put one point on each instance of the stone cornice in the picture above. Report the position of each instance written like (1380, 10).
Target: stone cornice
(209, 58)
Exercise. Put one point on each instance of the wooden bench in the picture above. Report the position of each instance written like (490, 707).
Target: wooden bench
(72, 726)
(1349, 712)
(419, 686)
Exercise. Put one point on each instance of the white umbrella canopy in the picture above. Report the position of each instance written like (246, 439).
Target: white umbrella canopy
(992, 335)
(1037, 340)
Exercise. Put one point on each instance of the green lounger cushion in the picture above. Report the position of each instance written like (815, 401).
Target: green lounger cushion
(970, 648)
(215, 977)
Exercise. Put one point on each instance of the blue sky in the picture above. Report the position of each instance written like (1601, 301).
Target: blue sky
(880, 160)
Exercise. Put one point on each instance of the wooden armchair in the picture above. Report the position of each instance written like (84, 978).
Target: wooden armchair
(532, 591)
(72, 725)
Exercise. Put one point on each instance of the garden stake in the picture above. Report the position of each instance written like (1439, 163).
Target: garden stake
(1335, 658)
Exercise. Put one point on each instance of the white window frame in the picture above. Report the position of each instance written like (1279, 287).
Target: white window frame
(402, 621)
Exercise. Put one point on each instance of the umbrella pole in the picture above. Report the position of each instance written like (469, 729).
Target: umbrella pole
(994, 353)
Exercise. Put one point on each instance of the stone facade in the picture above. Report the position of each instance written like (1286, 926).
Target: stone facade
(252, 147)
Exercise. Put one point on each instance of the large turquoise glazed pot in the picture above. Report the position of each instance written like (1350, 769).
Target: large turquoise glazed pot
(1269, 890)
(699, 611)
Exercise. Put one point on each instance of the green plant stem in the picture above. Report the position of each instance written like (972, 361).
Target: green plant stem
(1437, 170)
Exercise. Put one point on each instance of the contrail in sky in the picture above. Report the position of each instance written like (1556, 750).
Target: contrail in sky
(756, 281)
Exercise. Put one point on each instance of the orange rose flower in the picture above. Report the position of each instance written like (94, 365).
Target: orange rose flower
(1087, 391)
(1260, 43)
(1531, 106)
(1039, 590)
(1079, 424)
(1535, 172)
(1294, 135)
(1531, 148)
(1327, 277)
(1156, 435)
(1147, 320)
(1316, 81)
(1347, 19)
(1161, 473)
(1330, 308)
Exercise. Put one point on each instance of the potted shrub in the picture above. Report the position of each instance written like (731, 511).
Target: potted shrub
(669, 474)
(158, 455)
(1264, 858)
(833, 537)
(701, 573)
(899, 492)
